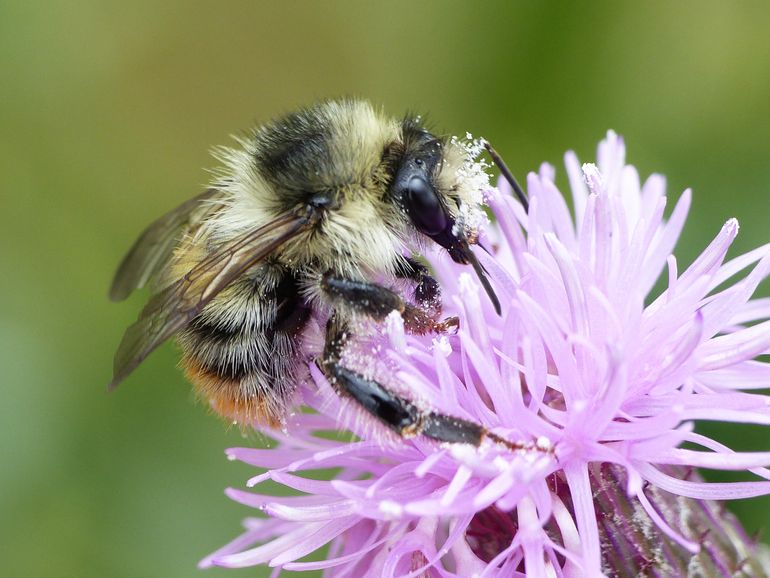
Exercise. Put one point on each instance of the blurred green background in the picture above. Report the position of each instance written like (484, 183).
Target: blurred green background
(107, 113)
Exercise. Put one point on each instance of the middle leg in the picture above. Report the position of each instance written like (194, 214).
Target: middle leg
(377, 302)
(396, 412)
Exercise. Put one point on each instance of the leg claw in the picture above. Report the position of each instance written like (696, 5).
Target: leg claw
(448, 324)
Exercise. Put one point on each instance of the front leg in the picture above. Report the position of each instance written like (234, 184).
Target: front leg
(427, 292)
(377, 302)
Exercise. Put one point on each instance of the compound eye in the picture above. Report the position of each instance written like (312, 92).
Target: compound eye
(424, 208)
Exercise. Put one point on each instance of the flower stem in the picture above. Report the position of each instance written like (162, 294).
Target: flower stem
(634, 546)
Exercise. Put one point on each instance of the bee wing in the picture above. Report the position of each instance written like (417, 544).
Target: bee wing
(173, 308)
(151, 251)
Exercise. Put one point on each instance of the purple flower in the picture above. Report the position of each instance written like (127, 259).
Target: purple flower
(598, 380)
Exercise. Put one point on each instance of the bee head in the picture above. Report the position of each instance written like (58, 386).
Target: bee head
(430, 198)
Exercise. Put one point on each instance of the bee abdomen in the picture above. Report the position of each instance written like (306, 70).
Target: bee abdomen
(246, 362)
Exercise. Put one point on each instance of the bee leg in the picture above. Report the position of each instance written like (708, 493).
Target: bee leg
(508, 176)
(377, 302)
(427, 292)
(396, 412)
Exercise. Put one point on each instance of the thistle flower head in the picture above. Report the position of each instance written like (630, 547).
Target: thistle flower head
(598, 380)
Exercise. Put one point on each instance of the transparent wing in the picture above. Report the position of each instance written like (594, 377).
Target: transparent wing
(153, 248)
(173, 308)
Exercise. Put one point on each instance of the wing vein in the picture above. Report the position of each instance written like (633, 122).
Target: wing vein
(172, 309)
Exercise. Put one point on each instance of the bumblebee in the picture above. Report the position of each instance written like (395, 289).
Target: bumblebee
(306, 218)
